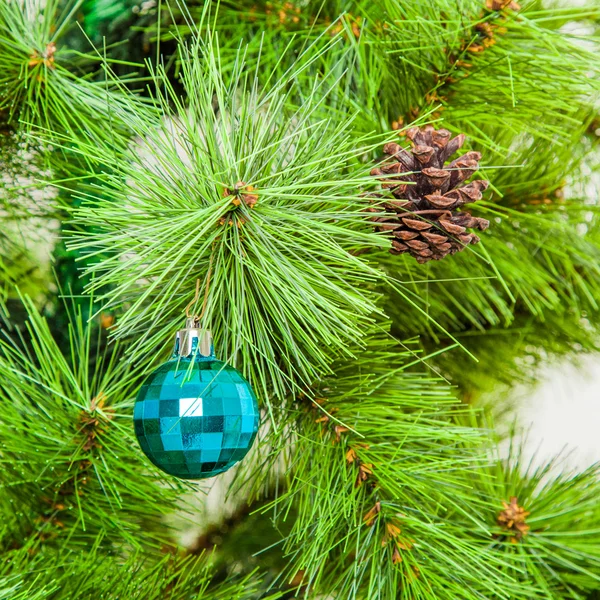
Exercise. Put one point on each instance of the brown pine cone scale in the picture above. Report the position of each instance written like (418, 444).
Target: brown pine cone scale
(420, 208)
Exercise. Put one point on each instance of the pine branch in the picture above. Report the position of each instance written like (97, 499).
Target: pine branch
(513, 64)
(376, 461)
(91, 574)
(40, 85)
(254, 183)
(391, 50)
(263, 193)
(546, 524)
(390, 497)
(68, 455)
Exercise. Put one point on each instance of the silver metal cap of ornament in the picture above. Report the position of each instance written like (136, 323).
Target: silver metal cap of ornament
(193, 340)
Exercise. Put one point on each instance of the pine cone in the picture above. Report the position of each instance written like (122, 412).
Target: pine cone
(422, 214)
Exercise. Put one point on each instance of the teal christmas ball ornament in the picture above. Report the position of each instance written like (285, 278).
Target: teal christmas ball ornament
(195, 416)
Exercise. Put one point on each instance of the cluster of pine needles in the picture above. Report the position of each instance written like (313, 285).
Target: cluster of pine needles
(145, 146)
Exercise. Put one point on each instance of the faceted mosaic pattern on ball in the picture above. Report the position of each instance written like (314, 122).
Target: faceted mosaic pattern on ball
(199, 423)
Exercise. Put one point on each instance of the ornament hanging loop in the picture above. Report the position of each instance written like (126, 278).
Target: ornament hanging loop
(194, 339)
(188, 308)
(195, 319)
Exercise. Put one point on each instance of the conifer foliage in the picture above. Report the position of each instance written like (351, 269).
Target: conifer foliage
(380, 209)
